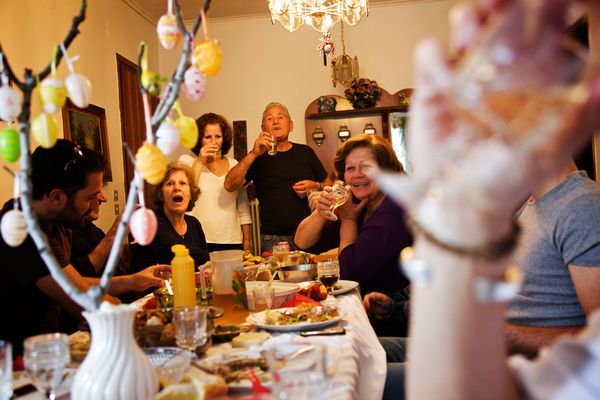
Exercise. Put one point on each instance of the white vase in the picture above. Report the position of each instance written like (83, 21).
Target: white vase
(115, 367)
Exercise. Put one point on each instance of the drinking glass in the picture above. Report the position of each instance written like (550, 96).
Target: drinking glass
(328, 272)
(281, 251)
(520, 76)
(298, 371)
(273, 149)
(45, 358)
(262, 298)
(190, 327)
(340, 196)
(5, 370)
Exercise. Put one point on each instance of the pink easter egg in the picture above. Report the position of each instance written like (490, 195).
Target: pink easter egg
(10, 104)
(79, 89)
(195, 83)
(13, 228)
(143, 225)
(167, 138)
(168, 31)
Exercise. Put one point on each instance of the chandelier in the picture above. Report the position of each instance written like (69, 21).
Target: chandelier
(320, 14)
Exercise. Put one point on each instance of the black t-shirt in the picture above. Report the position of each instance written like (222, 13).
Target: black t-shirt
(281, 209)
(26, 310)
(85, 241)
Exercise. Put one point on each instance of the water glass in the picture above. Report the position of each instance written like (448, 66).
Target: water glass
(298, 371)
(273, 148)
(262, 298)
(190, 327)
(5, 370)
(281, 251)
(340, 196)
(328, 272)
(46, 357)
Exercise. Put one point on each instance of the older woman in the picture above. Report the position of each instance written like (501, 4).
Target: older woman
(225, 216)
(370, 232)
(173, 197)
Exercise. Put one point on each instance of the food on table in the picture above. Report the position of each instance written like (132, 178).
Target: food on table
(178, 391)
(315, 291)
(246, 340)
(153, 328)
(79, 345)
(235, 368)
(304, 313)
(249, 259)
(207, 385)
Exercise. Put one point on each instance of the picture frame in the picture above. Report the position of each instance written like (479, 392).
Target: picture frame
(87, 127)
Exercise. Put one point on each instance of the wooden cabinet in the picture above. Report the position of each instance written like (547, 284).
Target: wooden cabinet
(354, 119)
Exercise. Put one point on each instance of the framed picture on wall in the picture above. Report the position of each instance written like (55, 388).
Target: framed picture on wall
(87, 126)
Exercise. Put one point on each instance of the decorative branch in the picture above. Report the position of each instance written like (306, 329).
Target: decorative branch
(9, 72)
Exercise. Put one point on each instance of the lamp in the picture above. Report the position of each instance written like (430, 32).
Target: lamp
(320, 14)
(344, 69)
(343, 133)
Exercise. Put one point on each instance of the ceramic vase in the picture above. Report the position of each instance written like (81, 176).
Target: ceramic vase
(115, 367)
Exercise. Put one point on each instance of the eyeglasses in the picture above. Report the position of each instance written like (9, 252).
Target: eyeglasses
(77, 155)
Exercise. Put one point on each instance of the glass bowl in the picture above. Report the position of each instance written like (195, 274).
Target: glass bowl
(170, 363)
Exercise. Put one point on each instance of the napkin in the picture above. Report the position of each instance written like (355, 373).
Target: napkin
(298, 299)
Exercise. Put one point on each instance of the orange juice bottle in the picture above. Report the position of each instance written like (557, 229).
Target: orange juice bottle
(182, 268)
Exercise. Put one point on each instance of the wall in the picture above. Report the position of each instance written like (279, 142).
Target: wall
(31, 28)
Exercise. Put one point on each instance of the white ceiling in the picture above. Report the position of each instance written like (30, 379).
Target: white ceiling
(154, 9)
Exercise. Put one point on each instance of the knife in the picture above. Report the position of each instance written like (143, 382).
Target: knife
(324, 332)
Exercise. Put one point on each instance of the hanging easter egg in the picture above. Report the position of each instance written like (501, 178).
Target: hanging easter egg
(79, 89)
(44, 130)
(151, 163)
(10, 148)
(188, 131)
(167, 137)
(53, 95)
(208, 57)
(194, 83)
(10, 104)
(13, 227)
(143, 225)
(168, 31)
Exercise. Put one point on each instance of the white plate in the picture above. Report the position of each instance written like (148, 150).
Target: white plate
(347, 286)
(258, 319)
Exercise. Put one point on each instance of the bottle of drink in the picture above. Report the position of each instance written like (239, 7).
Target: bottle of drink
(182, 268)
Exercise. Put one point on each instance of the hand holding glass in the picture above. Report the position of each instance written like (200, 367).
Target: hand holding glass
(340, 196)
(329, 273)
(45, 358)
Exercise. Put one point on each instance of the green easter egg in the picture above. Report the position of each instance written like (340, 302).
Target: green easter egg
(10, 148)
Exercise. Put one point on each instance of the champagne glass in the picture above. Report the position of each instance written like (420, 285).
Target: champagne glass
(45, 358)
(281, 251)
(520, 76)
(190, 327)
(328, 272)
(340, 196)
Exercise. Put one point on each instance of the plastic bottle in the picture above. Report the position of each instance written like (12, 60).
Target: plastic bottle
(184, 286)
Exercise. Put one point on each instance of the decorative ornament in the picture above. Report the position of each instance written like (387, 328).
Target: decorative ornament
(13, 226)
(405, 97)
(343, 133)
(10, 103)
(44, 130)
(167, 29)
(79, 88)
(151, 163)
(326, 47)
(344, 69)
(167, 137)
(369, 129)
(53, 94)
(363, 93)
(208, 57)
(194, 83)
(326, 104)
(10, 147)
(143, 223)
(318, 135)
(187, 128)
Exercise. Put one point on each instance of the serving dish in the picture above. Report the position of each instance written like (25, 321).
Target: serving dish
(260, 320)
(298, 273)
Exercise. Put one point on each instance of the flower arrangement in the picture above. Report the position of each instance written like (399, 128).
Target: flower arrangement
(363, 93)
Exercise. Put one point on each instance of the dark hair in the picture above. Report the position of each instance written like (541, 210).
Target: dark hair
(212, 118)
(381, 148)
(64, 166)
(159, 201)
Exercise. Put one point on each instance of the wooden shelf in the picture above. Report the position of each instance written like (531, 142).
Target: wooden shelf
(356, 112)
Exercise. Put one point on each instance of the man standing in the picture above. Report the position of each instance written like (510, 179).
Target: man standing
(560, 257)
(282, 180)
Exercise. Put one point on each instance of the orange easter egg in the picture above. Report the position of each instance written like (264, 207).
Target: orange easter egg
(208, 57)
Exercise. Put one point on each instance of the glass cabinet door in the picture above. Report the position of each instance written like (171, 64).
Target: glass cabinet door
(398, 123)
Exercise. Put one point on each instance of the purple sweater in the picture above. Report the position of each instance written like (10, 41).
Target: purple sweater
(372, 260)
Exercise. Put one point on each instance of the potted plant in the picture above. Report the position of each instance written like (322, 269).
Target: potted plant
(363, 93)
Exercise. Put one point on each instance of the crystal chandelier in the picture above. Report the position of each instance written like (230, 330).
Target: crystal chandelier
(320, 14)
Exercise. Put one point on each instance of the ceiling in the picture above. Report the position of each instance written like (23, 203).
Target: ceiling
(152, 10)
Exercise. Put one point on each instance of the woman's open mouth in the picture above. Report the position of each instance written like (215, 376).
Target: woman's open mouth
(177, 199)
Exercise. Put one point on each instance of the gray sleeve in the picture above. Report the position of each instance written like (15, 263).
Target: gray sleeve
(578, 233)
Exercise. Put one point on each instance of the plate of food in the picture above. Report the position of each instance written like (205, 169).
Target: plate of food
(343, 287)
(235, 367)
(301, 318)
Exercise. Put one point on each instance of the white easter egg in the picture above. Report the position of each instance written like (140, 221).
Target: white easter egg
(53, 95)
(13, 227)
(143, 225)
(167, 138)
(79, 89)
(195, 83)
(168, 31)
(10, 104)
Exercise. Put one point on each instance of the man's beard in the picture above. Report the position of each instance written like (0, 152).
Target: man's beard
(69, 217)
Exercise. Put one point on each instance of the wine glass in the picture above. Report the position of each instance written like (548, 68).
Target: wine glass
(520, 76)
(328, 272)
(340, 196)
(45, 358)
(281, 251)
(190, 327)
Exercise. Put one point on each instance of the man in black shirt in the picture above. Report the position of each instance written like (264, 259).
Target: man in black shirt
(282, 180)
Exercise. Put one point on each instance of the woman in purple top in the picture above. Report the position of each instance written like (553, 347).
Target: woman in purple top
(370, 231)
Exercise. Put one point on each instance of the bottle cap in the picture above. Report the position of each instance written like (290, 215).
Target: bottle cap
(180, 250)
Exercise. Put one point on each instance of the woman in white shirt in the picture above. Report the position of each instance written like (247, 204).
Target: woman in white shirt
(225, 216)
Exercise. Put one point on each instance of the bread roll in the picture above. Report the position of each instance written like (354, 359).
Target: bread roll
(207, 386)
(246, 340)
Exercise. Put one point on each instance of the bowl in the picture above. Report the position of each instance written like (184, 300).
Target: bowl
(298, 273)
(224, 333)
(170, 363)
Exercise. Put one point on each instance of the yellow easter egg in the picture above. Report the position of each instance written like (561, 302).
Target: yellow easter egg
(54, 95)
(10, 147)
(208, 57)
(44, 130)
(188, 131)
(151, 163)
